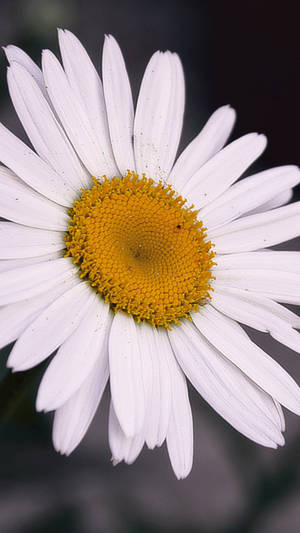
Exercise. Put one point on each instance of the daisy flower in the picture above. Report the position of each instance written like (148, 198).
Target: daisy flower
(138, 269)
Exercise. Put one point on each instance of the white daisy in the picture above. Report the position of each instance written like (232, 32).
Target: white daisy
(104, 261)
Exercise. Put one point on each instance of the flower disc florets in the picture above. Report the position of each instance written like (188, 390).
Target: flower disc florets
(141, 249)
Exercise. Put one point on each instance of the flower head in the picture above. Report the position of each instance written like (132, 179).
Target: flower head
(136, 268)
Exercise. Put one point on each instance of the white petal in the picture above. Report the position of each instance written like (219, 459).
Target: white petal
(14, 53)
(75, 358)
(15, 318)
(213, 178)
(20, 203)
(277, 201)
(180, 430)
(33, 170)
(252, 360)
(21, 283)
(87, 87)
(18, 241)
(289, 337)
(226, 388)
(264, 259)
(122, 448)
(265, 308)
(248, 194)
(126, 376)
(42, 128)
(72, 420)
(258, 231)
(72, 115)
(155, 346)
(52, 327)
(280, 286)
(207, 143)
(159, 116)
(119, 104)
(243, 307)
(280, 415)
(12, 264)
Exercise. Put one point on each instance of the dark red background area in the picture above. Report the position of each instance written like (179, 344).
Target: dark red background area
(257, 66)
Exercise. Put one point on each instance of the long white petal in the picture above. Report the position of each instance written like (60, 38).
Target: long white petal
(159, 116)
(18, 241)
(16, 54)
(277, 201)
(12, 264)
(154, 345)
(80, 350)
(264, 307)
(72, 420)
(21, 204)
(243, 307)
(16, 317)
(213, 178)
(52, 327)
(263, 260)
(224, 335)
(87, 87)
(208, 142)
(33, 170)
(42, 128)
(280, 415)
(275, 284)
(22, 283)
(122, 448)
(258, 231)
(119, 104)
(226, 388)
(248, 396)
(248, 194)
(180, 430)
(126, 375)
(72, 115)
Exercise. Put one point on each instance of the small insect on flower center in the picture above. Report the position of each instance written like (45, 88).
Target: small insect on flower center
(141, 249)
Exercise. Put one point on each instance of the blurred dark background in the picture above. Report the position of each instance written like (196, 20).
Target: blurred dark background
(242, 53)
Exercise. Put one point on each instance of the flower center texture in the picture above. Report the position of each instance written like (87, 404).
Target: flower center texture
(141, 249)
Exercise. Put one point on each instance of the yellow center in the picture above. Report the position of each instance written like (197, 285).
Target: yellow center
(141, 249)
